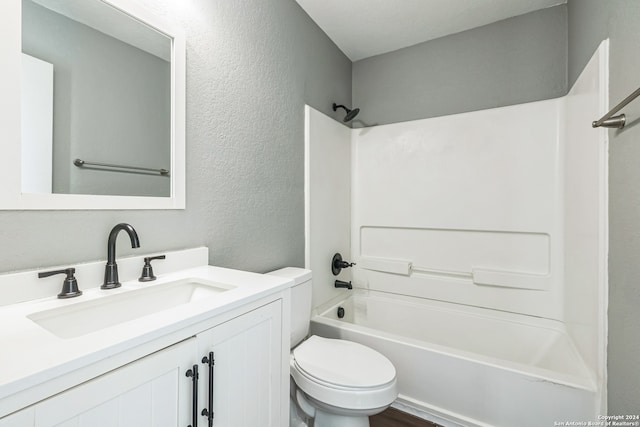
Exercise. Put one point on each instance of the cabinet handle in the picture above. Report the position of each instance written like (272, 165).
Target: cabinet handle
(209, 412)
(193, 374)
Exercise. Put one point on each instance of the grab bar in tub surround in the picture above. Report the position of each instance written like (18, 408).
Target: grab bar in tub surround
(479, 276)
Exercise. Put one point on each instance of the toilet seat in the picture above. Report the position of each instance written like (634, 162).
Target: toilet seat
(344, 374)
(345, 364)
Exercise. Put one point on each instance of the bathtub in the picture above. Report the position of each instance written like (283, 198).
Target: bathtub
(467, 366)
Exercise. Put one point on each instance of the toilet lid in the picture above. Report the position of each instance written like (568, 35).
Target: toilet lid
(343, 363)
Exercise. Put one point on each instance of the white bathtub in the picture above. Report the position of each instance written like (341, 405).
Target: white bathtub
(461, 365)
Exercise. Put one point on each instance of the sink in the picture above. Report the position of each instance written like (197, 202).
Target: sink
(84, 317)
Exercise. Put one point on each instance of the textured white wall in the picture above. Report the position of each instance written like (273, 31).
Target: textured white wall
(251, 67)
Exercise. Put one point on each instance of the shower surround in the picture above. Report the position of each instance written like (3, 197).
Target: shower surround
(497, 214)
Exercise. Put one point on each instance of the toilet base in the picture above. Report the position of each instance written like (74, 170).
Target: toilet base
(330, 416)
(295, 417)
(325, 419)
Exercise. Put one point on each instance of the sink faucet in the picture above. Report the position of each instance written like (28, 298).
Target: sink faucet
(111, 269)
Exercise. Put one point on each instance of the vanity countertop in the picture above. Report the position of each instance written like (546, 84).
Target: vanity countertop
(31, 355)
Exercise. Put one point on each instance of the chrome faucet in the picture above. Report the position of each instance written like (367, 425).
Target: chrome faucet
(111, 269)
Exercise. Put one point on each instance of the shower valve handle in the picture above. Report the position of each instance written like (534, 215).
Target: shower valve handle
(345, 264)
(337, 264)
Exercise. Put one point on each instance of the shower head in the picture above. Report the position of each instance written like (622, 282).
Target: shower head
(351, 114)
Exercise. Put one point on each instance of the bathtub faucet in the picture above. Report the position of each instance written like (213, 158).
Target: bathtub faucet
(341, 284)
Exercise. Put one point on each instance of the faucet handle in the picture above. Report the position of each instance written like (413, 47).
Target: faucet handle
(337, 264)
(69, 285)
(147, 270)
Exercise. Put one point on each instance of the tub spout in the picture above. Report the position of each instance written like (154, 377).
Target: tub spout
(341, 284)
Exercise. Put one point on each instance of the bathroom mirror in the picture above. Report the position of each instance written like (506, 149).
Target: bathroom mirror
(94, 117)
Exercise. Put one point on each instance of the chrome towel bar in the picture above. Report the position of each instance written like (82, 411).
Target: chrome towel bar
(611, 121)
(81, 163)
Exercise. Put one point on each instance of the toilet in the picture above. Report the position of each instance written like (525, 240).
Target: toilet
(337, 383)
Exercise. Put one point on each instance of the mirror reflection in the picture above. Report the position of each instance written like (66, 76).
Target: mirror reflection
(96, 87)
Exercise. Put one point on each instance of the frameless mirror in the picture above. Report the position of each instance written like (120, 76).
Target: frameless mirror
(101, 105)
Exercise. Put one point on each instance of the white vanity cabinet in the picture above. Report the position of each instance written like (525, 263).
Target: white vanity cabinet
(247, 371)
(154, 391)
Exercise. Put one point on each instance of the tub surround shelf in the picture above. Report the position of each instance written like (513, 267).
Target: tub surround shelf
(38, 363)
(394, 266)
(511, 279)
(479, 276)
(494, 266)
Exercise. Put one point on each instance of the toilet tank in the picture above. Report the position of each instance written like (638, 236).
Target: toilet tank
(301, 293)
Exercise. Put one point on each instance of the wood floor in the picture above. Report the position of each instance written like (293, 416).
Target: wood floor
(395, 418)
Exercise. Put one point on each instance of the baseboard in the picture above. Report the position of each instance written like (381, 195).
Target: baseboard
(435, 414)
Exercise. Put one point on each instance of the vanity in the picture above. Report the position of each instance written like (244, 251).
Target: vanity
(200, 345)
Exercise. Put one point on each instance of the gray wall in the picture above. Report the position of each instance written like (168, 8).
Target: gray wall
(590, 21)
(251, 67)
(111, 105)
(516, 60)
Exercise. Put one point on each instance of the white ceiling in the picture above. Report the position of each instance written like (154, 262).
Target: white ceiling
(364, 28)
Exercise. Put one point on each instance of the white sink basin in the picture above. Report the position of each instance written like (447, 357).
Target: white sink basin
(84, 317)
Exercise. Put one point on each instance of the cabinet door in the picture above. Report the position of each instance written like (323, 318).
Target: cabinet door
(247, 379)
(150, 392)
